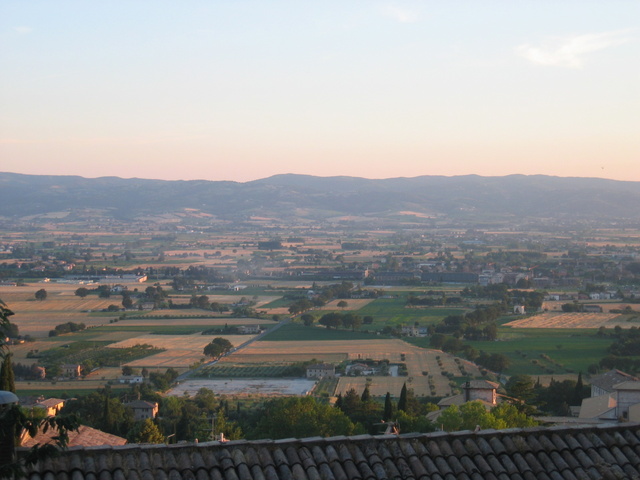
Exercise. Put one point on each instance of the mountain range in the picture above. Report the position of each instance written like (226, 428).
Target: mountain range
(299, 198)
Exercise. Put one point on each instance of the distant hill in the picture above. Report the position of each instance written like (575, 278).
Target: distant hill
(292, 198)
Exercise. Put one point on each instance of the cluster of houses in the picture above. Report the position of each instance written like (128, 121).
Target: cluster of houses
(615, 396)
(85, 436)
(321, 370)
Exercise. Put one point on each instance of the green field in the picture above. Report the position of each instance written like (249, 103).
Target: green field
(547, 351)
(279, 303)
(82, 351)
(393, 311)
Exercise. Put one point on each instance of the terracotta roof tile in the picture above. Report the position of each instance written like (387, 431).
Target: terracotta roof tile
(472, 447)
(271, 473)
(631, 472)
(284, 472)
(325, 472)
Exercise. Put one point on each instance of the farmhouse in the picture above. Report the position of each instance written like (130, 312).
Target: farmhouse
(413, 331)
(147, 306)
(590, 308)
(50, 406)
(248, 329)
(321, 370)
(71, 370)
(603, 384)
(409, 331)
(131, 379)
(519, 310)
(143, 409)
(628, 401)
(615, 395)
(623, 404)
(473, 390)
(606, 452)
(360, 369)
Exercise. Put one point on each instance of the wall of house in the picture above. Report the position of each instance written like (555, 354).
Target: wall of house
(626, 399)
(486, 394)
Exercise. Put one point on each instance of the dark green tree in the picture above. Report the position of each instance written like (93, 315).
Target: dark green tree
(145, 431)
(307, 319)
(106, 415)
(185, 428)
(82, 292)
(366, 394)
(351, 403)
(300, 417)
(41, 294)
(402, 401)
(580, 391)
(388, 408)
(331, 320)
(520, 387)
(217, 347)
(127, 302)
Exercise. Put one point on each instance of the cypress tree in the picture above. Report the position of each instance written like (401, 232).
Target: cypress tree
(402, 402)
(578, 391)
(388, 408)
(366, 394)
(106, 414)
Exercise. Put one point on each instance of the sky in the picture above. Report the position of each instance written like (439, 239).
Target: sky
(245, 89)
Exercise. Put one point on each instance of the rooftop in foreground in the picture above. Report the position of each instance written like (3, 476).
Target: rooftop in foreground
(577, 452)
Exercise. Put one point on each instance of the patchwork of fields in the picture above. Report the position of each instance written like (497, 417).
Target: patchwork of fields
(424, 367)
(541, 345)
(181, 351)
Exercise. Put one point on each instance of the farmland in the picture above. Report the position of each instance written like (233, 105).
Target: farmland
(246, 387)
(424, 367)
(231, 270)
(178, 351)
(175, 341)
(36, 318)
(548, 351)
(576, 320)
(393, 311)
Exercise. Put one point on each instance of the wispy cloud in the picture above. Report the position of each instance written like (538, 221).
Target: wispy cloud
(571, 51)
(22, 30)
(402, 15)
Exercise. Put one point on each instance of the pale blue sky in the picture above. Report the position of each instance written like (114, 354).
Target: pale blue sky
(239, 90)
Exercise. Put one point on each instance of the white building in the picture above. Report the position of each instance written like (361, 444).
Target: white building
(321, 370)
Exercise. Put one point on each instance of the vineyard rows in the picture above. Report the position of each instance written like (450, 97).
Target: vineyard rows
(249, 371)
